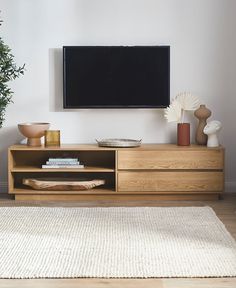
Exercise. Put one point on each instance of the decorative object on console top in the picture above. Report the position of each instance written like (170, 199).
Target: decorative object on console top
(183, 134)
(202, 113)
(33, 131)
(184, 101)
(62, 184)
(211, 130)
(52, 138)
(119, 142)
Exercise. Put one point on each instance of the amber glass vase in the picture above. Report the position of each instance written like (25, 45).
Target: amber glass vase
(52, 138)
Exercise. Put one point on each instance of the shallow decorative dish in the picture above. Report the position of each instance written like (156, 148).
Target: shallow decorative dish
(119, 142)
(62, 184)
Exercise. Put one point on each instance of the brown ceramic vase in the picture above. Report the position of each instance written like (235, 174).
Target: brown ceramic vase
(202, 113)
(183, 134)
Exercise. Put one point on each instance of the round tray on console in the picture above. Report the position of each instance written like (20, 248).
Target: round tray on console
(119, 142)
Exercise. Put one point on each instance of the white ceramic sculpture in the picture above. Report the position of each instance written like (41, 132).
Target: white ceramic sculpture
(211, 130)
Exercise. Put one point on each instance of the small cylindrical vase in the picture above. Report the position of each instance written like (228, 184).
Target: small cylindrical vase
(183, 134)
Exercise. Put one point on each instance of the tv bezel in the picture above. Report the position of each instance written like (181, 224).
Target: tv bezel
(66, 106)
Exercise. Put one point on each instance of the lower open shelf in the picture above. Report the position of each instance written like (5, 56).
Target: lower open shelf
(20, 188)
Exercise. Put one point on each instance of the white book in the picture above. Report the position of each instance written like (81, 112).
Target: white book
(62, 166)
(63, 163)
(63, 160)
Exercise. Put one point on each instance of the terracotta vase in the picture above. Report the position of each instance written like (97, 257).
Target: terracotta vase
(183, 134)
(202, 113)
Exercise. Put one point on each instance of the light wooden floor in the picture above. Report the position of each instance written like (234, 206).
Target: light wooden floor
(225, 209)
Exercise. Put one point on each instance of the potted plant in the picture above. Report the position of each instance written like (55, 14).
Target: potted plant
(184, 101)
(8, 72)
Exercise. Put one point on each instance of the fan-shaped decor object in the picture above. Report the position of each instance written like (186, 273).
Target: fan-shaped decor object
(173, 112)
(188, 101)
(184, 101)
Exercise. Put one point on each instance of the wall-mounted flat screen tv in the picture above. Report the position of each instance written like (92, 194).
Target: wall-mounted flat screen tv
(116, 76)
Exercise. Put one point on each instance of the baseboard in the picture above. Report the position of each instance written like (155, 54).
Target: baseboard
(230, 187)
(3, 187)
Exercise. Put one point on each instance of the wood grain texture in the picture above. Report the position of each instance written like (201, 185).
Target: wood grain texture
(89, 147)
(53, 185)
(10, 175)
(114, 197)
(35, 158)
(170, 181)
(200, 159)
(94, 191)
(121, 283)
(166, 160)
(86, 169)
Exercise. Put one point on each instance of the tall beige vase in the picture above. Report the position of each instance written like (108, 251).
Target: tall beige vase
(202, 113)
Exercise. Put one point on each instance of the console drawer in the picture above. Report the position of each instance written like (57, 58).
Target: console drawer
(171, 159)
(170, 181)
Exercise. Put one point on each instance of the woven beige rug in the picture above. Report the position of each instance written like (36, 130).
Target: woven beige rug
(142, 242)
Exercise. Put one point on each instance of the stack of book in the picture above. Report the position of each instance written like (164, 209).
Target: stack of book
(56, 163)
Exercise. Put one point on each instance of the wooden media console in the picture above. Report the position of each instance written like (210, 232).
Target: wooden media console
(151, 171)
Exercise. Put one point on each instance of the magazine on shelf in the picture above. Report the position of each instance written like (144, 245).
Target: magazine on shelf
(62, 163)
(63, 159)
(62, 166)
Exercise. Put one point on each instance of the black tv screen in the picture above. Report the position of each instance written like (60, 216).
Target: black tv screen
(116, 76)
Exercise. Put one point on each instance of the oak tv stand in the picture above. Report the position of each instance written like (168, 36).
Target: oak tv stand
(152, 171)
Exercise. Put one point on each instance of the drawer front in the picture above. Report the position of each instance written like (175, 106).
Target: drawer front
(207, 159)
(170, 181)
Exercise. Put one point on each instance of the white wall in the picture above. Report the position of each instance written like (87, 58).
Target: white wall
(203, 45)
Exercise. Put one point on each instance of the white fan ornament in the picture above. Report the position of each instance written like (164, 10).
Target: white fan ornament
(184, 101)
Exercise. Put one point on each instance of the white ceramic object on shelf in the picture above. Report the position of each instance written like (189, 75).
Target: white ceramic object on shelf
(33, 131)
(211, 130)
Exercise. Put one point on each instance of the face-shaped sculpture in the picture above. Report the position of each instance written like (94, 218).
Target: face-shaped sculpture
(212, 127)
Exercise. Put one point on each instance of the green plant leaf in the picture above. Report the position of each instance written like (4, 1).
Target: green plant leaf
(9, 71)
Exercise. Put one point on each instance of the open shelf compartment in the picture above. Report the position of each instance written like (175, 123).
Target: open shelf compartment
(94, 161)
(19, 187)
